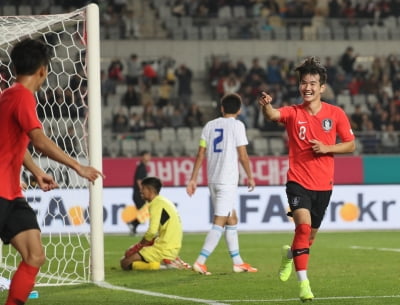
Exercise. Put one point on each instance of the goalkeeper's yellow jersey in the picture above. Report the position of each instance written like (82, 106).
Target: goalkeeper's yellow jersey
(164, 223)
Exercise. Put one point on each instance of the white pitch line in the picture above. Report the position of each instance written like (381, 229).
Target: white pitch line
(322, 298)
(376, 249)
(157, 294)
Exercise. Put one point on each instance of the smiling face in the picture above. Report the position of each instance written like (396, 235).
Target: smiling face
(310, 88)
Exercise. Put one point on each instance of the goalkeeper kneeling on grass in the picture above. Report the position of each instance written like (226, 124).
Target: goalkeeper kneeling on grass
(160, 245)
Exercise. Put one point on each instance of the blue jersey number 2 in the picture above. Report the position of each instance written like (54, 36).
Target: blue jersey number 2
(218, 139)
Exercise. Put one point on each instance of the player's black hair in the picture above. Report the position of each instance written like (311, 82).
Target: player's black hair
(311, 65)
(231, 103)
(153, 182)
(28, 55)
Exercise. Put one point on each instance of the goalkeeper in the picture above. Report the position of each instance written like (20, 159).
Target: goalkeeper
(163, 240)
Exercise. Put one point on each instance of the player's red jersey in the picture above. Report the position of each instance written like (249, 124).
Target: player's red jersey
(313, 171)
(17, 117)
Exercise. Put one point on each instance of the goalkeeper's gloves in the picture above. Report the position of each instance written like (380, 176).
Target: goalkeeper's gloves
(147, 243)
(139, 246)
(133, 249)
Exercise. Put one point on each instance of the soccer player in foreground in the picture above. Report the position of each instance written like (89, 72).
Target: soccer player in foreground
(312, 128)
(163, 239)
(224, 142)
(20, 125)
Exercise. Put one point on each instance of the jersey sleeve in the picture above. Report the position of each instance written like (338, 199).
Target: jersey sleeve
(25, 113)
(203, 137)
(241, 134)
(286, 113)
(343, 127)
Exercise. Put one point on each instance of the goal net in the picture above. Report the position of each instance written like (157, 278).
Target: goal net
(69, 114)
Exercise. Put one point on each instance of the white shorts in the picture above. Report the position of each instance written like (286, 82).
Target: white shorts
(224, 198)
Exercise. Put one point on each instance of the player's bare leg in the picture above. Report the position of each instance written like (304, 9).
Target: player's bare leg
(29, 245)
(127, 260)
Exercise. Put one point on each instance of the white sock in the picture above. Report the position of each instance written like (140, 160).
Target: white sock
(302, 275)
(210, 243)
(232, 241)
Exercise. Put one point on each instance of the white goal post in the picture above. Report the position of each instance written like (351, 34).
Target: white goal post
(95, 142)
(69, 106)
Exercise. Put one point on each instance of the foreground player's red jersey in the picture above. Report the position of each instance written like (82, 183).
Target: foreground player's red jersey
(17, 118)
(313, 171)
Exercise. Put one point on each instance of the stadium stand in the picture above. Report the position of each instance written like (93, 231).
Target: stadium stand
(129, 130)
(260, 146)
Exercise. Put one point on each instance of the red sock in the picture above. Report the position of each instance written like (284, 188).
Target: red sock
(22, 284)
(301, 246)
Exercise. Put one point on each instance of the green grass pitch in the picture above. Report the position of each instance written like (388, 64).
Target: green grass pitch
(351, 268)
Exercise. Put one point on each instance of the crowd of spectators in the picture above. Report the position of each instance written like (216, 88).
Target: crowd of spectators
(162, 96)
(370, 95)
(118, 20)
(273, 19)
(159, 92)
(288, 9)
(158, 95)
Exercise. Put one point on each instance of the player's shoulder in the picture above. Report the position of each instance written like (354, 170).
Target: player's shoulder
(333, 108)
(160, 199)
(17, 87)
(293, 107)
(212, 123)
(290, 110)
(240, 123)
(164, 202)
(330, 106)
(17, 90)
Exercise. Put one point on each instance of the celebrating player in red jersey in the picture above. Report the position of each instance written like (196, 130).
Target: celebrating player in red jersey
(312, 129)
(20, 125)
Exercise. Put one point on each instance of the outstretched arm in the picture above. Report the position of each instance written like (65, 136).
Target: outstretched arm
(45, 181)
(268, 111)
(192, 184)
(41, 142)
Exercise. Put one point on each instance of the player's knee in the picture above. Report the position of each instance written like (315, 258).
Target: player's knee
(36, 259)
(303, 231)
(125, 264)
(302, 237)
(232, 220)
